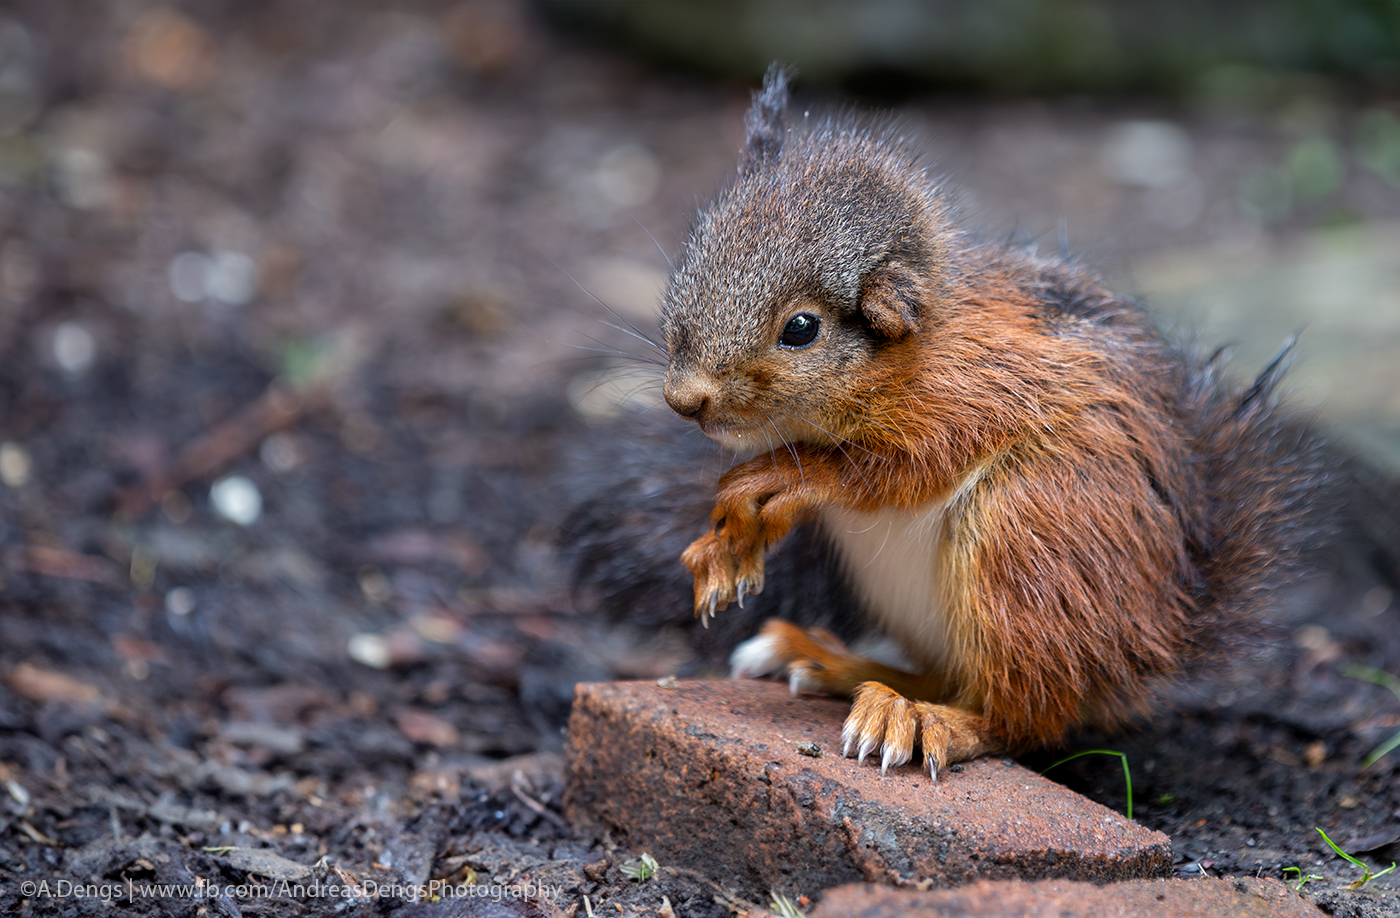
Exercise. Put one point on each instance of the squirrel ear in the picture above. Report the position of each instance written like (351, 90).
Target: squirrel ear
(764, 124)
(889, 300)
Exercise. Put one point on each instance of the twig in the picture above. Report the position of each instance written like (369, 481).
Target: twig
(517, 782)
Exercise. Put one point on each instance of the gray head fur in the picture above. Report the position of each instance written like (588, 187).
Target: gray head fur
(813, 212)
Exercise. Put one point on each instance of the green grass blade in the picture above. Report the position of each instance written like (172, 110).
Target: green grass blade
(1127, 774)
(1340, 853)
(1382, 678)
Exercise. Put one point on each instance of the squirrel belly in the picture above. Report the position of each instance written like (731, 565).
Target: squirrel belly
(891, 559)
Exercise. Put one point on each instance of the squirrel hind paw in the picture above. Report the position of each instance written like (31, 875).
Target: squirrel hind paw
(807, 676)
(882, 718)
(783, 648)
(757, 657)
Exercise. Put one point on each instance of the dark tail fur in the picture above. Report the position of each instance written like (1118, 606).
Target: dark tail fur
(640, 493)
(1285, 500)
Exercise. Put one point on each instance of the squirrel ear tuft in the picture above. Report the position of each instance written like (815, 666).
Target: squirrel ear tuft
(764, 124)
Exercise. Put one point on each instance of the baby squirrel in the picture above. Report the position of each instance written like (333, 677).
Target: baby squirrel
(1046, 505)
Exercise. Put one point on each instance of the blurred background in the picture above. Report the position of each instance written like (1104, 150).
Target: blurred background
(294, 330)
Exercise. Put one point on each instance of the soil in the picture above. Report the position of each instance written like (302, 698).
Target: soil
(328, 250)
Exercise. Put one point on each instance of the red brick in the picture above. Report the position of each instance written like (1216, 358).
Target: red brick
(708, 776)
(1206, 897)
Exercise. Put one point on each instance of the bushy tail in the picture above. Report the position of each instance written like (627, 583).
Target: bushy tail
(1274, 497)
(639, 495)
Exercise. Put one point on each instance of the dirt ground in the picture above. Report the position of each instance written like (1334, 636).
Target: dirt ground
(312, 266)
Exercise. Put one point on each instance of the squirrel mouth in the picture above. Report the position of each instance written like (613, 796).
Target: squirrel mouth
(721, 431)
(735, 438)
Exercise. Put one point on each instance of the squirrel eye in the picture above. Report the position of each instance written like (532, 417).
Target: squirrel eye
(800, 330)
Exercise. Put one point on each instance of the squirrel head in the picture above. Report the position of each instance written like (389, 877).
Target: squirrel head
(827, 249)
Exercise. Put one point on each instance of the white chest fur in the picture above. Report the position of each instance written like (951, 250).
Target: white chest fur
(891, 557)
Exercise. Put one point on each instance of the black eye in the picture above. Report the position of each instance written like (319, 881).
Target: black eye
(800, 330)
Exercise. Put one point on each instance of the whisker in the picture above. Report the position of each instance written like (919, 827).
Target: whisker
(883, 542)
(609, 351)
(839, 440)
(855, 465)
(772, 450)
(617, 351)
(627, 396)
(801, 475)
(669, 263)
(849, 458)
(642, 378)
(631, 329)
(859, 407)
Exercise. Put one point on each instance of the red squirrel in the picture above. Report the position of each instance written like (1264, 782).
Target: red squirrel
(1045, 504)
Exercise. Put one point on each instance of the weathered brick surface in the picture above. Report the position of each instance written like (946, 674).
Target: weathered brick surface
(1199, 898)
(709, 775)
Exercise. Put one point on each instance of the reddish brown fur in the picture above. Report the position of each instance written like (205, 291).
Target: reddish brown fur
(1043, 647)
(1108, 504)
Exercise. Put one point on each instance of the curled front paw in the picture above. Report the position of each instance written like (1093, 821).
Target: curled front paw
(714, 570)
(883, 719)
(721, 575)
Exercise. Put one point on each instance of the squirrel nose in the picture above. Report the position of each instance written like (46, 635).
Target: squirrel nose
(688, 395)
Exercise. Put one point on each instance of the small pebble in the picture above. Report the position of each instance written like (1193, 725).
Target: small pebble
(231, 278)
(237, 499)
(187, 273)
(74, 348)
(628, 176)
(369, 649)
(180, 601)
(1148, 154)
(14, 465)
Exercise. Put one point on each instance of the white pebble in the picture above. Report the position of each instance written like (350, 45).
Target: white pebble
(74, 348)
(82, 178)
(180, 601)
(14, 465)
(231, 278)
(237, 499)
(369, 649)
(628, 176)
(188, 274)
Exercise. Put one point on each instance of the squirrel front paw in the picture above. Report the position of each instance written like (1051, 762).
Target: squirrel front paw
(721, 575)
(883, 719)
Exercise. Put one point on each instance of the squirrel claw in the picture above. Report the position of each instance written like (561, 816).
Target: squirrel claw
(882, 718)
(714, 570)
(748, 585)
(795, 683)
